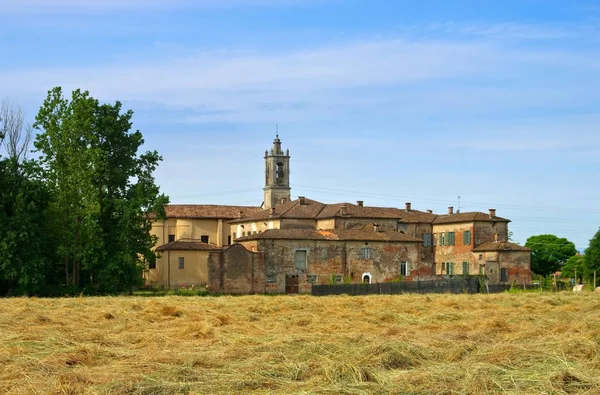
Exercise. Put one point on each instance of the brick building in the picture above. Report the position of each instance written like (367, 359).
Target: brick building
(288, 245)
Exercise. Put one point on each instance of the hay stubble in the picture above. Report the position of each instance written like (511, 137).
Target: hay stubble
(515, 343)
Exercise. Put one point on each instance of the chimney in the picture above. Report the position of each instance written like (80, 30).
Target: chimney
(376, 227)
(496, 237)
(240, 214)
(450, 210)
(360, 203)
(492, 213)
(302, 200)
(283, 200)
(430, 211)
(272, 210)
(344, 209)
(408, 206)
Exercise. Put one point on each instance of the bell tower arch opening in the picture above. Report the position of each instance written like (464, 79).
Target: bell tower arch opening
(277, 175)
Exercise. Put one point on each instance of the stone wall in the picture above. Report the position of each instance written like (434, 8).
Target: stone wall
(236, 270)
(330, 261)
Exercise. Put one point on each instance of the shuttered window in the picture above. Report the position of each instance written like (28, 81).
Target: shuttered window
(467, 237)
(465, 268)
(450, 238)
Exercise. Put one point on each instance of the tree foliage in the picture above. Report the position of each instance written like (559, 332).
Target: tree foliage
(102, 189)
(573, 265)
(76, 218)
(592, 257)
(549, 253)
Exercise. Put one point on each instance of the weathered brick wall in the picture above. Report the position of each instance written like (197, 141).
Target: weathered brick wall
(336, 258)
(236, 270)
(384, 260)
(518, 264)
(484, 231)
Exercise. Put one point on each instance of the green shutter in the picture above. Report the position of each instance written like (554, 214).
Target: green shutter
(465, 270)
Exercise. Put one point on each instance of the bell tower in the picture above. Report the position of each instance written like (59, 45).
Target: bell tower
(277, 175)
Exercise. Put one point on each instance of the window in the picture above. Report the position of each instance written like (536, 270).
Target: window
(271, 278)
(449, 268)
(324, 253)
(204, 238)
(181, 262)
(404, 268)
(365, 253)
(300, 259)
(503, 275)
(311, 278)
(467, 237)
(228, 240)
(338, 278)
(450, 238)
(480, 256)
(152, 263)
(426, 237)
(465, 270)
(442, 238)
(481, 270)
(171, 238)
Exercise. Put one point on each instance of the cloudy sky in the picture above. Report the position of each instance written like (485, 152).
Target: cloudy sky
(381, 101)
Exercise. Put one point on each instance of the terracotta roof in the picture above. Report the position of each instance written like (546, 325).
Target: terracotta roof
(467, 217)
(332, 234)
(416, 216)
(208, 211)
(309, 209)
(185, 245)
(499, 246)
(356, 211)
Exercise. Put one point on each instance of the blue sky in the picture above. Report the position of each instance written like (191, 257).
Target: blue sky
(381, 101)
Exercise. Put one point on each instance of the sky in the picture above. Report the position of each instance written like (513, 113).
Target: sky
(389, 102)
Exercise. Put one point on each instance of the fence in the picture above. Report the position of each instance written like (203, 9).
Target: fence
(468, 285)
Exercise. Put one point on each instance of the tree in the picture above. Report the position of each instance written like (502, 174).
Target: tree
(573, 264)
(549, 253)
(16, 135)
(25, 244)
(592, 257)
(103, 190)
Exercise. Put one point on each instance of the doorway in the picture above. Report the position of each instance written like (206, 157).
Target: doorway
(291, 284)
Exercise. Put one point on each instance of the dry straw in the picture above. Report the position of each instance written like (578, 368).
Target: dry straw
(437, 344)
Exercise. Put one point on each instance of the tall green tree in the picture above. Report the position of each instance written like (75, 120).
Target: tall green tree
(592, 257)
(102, 187)
(549, 253)
(574, 264)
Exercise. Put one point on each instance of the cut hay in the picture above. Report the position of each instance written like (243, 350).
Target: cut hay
(444, 344)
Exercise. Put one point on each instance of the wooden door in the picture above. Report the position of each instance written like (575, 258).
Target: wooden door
(291, 284)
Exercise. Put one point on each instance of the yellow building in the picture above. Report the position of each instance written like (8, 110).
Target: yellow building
(186, 236)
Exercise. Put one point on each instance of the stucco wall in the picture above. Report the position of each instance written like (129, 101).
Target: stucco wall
(241, 229)
(459, 252)
(217, 230)
(195, 271)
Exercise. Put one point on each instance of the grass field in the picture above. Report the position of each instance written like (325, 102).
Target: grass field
(436, 344)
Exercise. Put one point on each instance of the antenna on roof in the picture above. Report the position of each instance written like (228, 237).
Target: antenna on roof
(276, 131)
(458, 209)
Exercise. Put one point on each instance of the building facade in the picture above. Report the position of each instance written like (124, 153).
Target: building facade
(288, 245)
